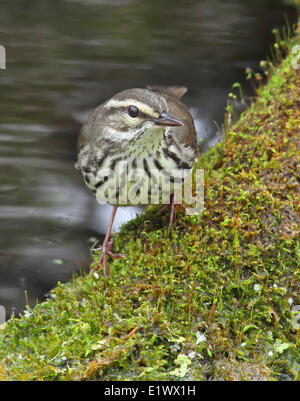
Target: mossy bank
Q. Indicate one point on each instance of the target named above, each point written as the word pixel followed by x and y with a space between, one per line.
pixel 214 300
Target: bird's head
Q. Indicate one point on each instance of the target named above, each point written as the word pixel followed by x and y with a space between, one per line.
pixel 131 113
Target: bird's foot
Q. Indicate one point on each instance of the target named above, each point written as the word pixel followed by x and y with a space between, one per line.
pixel 106 251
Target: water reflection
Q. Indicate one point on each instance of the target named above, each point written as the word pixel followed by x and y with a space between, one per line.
pixel 64 58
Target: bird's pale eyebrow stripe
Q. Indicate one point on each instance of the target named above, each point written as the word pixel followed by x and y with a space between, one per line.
pixel 144 108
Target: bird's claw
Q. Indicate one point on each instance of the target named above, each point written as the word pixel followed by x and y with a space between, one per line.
pixel 106 251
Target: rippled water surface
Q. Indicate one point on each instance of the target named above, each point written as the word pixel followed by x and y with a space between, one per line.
pixel 65 57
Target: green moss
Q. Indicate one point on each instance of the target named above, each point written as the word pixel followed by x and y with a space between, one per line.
pixel 211 301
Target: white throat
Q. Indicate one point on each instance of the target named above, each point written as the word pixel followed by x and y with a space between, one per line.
pixel 147 142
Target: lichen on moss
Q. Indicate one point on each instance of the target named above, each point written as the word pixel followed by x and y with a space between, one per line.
pixel 214 299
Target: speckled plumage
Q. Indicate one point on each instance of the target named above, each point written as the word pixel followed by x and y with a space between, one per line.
pixel 110 140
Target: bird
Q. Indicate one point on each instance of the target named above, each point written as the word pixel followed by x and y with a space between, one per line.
pixel 132 143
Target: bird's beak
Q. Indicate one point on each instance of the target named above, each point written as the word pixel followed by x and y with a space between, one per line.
pixel 166 119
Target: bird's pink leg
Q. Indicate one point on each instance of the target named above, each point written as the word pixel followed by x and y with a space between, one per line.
pixel 172 206
pixel 107 247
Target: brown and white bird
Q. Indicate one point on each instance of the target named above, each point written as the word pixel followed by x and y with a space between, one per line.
pixel 133 142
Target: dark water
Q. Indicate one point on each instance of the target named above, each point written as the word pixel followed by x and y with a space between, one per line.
pixel 66 57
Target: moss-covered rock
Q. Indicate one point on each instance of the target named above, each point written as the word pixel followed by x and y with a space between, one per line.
pixel 214 300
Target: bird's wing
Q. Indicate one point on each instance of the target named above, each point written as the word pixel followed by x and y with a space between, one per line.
pixel 176 90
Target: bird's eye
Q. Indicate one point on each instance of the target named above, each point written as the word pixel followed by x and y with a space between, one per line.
pixel 133 111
